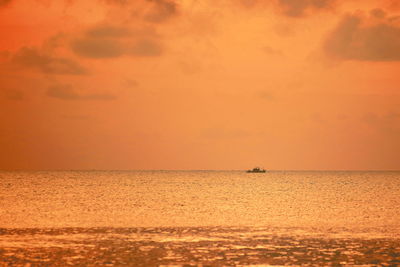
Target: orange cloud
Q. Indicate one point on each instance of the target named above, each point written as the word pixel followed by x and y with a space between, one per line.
pixel 161 10
pixel 108 41
pixel 154 11
pixel 297 8
pixel 67 92
pixel 12 94
pixel 4 2
pixel 373 38
pixel 292 8
pixel 32 58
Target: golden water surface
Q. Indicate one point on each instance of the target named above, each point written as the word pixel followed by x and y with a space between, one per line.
pixel 216 218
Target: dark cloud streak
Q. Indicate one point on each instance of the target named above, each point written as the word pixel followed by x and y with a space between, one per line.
pixel 33 58
pixel 153 11
pixel 298 8
pixel 109 41
pixel 292 8
pixel 97 48
pixel 67 92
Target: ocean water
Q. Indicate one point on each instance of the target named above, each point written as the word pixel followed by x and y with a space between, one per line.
pixel 194 218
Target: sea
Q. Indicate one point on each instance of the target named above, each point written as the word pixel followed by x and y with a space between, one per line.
pixel 199 218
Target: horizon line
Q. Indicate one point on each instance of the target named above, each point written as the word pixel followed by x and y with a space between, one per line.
pixel 268 170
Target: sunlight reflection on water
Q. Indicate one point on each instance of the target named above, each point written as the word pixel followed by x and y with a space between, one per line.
pixel 186 218
pixel 202 198
pixel 208 246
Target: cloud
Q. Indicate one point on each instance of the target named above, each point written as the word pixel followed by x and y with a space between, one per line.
pixel 117 2
pixel 153 11
pixel 102 41
pixel 29 57
pixel 108 31
pixel 109 41
pixel 378 13
pixel 298 8
pixel 67 92
pixel 291 8
pixel 129 29
pixel 97 47
pixel 111 48
pixel 161 11
pixel 4 2
pixel 13 94
pixel 374 38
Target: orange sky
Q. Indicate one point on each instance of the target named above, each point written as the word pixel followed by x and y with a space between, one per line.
pixel 200 84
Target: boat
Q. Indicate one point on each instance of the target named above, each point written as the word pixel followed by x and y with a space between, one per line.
pixel 256 170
